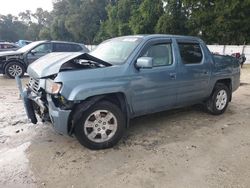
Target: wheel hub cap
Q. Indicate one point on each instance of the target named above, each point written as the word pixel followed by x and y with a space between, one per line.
pixel 15 70
pixel 100 126
pixel 221 100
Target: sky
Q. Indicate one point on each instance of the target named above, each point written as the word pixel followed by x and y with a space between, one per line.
pixel 14 7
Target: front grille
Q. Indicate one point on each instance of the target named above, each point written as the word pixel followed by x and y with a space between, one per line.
pixel 34 84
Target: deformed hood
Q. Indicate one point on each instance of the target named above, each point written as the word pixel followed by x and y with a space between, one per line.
pixel 52 63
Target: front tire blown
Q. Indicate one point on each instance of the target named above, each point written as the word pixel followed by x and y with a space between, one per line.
pixel 101 126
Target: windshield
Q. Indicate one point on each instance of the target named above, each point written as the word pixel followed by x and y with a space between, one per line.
pixel 116 51
pixel 28 47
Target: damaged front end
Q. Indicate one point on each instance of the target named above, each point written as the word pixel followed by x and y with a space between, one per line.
pixel 42 95
pixel 49 108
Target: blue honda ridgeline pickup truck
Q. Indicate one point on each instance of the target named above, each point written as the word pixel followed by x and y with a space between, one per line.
pixel 94 95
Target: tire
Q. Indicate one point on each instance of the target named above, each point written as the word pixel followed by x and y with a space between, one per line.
pixel 218 101
pixel 13 69
pixel 101 126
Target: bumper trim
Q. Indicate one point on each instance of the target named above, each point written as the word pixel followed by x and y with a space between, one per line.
pixel 29 109
pixel 58 117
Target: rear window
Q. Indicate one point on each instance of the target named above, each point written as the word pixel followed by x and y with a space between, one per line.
pixel 190 53
pixel 76 47
pixel 61 47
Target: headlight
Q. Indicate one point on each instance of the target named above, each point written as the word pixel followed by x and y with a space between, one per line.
pixel 52 87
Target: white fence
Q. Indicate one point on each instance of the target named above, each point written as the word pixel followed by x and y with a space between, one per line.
pixel 230 49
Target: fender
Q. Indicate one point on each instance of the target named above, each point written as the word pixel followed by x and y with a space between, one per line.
pixel 79 109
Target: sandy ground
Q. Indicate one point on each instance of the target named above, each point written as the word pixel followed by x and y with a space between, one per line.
pixel 180 148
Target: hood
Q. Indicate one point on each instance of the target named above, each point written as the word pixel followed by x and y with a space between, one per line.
pixel 53 63
pixel 10 53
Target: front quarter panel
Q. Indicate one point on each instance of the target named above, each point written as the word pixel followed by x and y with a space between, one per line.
pixel 79 85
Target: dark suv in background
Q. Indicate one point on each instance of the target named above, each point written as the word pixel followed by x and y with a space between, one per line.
pixel 15 63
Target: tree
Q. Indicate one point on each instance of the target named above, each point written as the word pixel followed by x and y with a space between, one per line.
pixel 145 18
pixel 223 22
pixel 85 23
pixel 25 17
pixel 35 23
pixel 8 27
pixel 58 30
pixel 119 14
pixel 78 20
pixel 92 21
pixel 174 19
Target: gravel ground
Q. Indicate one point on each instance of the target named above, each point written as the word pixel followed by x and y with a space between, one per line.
pixel 180 148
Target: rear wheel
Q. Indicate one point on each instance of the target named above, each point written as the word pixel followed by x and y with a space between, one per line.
pixel 219 99
pixel 101 126
pixel 14 69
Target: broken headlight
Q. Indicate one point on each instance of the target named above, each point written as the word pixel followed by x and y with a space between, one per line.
pixel 52 87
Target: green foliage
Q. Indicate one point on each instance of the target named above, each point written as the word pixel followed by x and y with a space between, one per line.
pixel 222 22
pixel 26 26
pixel 117 23
pixel 174 19
pixel 92 21
pixel 144 19
pixel 8 24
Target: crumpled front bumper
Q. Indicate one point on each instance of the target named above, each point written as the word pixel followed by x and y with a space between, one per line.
pixel 58 117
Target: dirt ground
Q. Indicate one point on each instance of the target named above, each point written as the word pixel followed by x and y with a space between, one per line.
pixel 180 148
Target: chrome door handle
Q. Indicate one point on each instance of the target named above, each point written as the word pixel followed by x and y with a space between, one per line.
pixel 172 76
pixel 206 72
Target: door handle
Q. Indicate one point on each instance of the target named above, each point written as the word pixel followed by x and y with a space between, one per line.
pixel 205 72
pixel 172 76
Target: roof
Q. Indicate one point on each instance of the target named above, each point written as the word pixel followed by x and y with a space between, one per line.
pixel 58 41
pixel 150 36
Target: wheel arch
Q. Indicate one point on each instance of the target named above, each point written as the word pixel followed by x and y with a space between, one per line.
pixel 118 98
pixel 227 82
pixel 14 60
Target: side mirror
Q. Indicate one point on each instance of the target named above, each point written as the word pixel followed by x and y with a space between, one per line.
pixel 33 52
pixel 144 63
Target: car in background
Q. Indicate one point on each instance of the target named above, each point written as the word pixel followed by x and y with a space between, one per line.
pixel 6 46
pixel 15 63
pixel 23 43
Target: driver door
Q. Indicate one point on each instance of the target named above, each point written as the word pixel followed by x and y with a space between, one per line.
pixel 38 52
pixel 155 89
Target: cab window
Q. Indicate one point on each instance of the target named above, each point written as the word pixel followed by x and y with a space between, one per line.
pixel 161 54
pixel 43 48
pixel 190 53
pixel 64 47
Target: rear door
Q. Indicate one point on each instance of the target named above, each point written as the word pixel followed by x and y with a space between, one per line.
pixel 193 72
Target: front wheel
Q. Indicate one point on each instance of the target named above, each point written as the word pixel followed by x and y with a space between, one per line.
pixel 14 69
pixel 218 101
pixel 101 126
